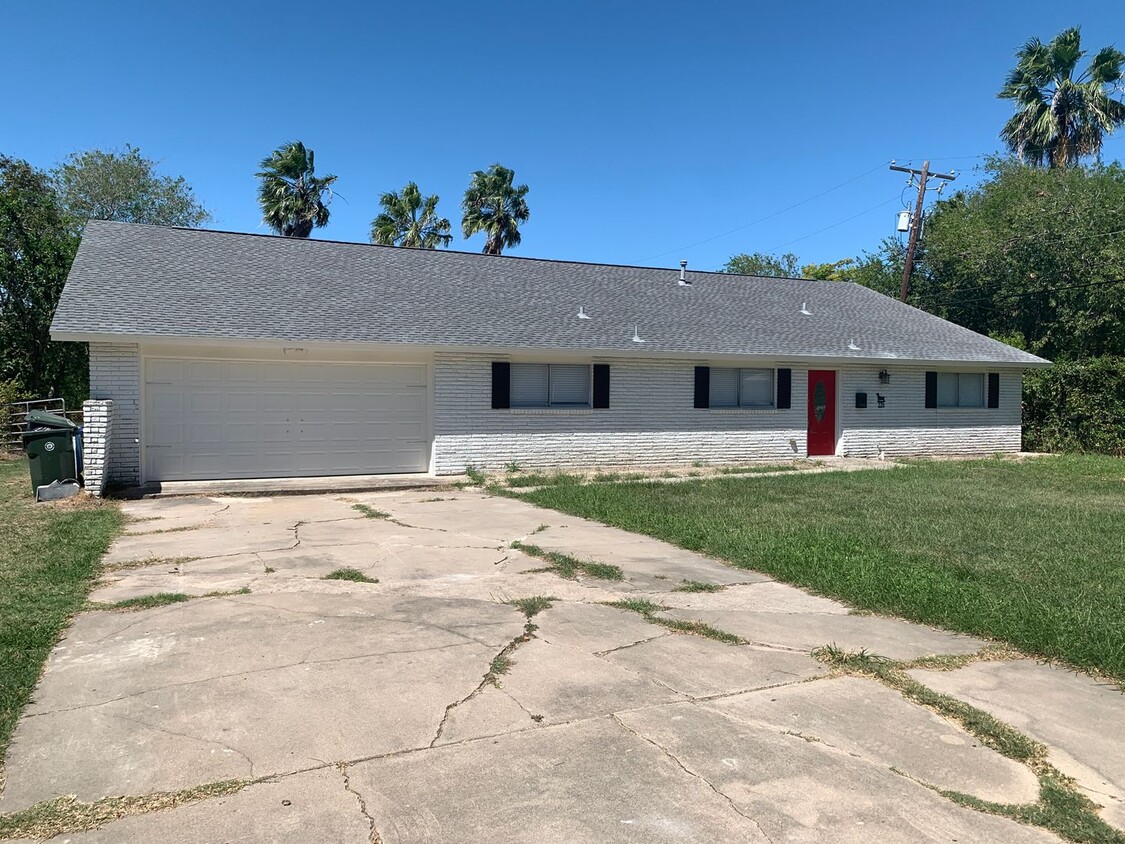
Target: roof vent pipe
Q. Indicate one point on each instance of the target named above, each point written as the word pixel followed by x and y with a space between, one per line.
pixel 683 275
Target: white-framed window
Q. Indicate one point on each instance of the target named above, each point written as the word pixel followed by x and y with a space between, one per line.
pixel 960 389
pixel 741 387
pixel 550 385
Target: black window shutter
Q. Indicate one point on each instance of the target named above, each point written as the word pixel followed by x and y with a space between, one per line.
pixel 501 385
pixel 601 385
pixel 784 389
pixel 931 389
pixel 703 387
pixel 994 389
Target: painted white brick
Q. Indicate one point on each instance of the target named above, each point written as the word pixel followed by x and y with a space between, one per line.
pixel 651 420
pixel 904 426
pixel 115 375
pixel 97 426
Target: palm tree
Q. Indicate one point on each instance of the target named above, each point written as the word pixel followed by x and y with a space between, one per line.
pixel 292 197
pixel 495 206
pixel 410 219
pixel 1060 118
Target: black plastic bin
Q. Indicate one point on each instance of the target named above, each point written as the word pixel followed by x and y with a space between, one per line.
pixel 49 443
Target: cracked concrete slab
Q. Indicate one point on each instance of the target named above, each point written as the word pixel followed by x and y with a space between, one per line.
pixel 887 637
pixel 312 806
pixel 650 564
pixel 562 684
pixel 1069 713
pixel 593 628
pixel 207 541
pixel 797 790
pixel 866 719
pixel 583 783
pixel 493 712
pixel 239 726
pixel 305 672
pixel 754 597
pixel 497 520
pixel 700 667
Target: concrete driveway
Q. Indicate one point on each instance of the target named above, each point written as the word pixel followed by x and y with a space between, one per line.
pixel 425 707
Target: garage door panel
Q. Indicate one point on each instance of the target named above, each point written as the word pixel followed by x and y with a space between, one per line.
pixel 229 419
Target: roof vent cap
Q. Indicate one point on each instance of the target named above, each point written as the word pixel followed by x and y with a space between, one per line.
pixel 853 346
pixel 805 309
pixel 582 313
pixel 636 335
pixel 683 275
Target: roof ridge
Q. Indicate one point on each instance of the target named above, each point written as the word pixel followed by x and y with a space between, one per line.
pixel 275 237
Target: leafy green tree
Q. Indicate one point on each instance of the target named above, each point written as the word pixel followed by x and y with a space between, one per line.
pixel 123 185
pixel 495 206
pixel 37 245
pixel 410 219
pixel 1060 117
pixel 841 270
pixel 294 200
pixel 1032 256
pixel 763 264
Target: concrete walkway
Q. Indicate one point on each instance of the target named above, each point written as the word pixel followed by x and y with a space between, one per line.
pixel 425 707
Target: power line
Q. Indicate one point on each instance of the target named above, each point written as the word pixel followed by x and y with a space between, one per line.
pixel 954 302
pixel 767 217
pixel 895 198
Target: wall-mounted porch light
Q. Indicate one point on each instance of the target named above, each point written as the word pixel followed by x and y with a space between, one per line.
pixel 884 377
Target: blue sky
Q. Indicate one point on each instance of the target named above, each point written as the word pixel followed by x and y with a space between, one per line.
pixel 643 128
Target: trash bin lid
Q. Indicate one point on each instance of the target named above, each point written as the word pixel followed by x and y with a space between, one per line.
pixel 43 419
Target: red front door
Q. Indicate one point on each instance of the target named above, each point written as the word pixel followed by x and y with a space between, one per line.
pixel 822 412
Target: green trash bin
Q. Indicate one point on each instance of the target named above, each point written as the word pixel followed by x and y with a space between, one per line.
pixel 49 443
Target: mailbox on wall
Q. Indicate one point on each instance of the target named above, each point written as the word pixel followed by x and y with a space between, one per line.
pixel 861 400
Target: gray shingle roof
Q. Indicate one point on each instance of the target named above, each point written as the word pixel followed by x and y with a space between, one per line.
pixel 149 281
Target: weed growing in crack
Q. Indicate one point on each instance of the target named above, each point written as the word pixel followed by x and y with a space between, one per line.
pixel 144 602
pixel 354 575
pixel 697 586
pixel 1061 807
pixel 532 606
pixel 270 569
pixel 476 476
pixel 69 814
pixel 370 511
pixel 501 664
pixel 224 593
pixel 647 609
pixel 570 567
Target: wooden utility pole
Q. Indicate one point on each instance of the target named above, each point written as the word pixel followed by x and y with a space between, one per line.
pixel 923 175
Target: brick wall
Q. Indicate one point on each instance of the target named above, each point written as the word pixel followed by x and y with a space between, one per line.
pixel 115 374
pixel 904 426
pixel 97 430
pixel 651 420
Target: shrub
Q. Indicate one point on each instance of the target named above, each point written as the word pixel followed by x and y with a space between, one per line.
pixel 1076 406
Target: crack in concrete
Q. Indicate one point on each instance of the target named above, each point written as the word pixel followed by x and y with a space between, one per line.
pixel 489 677
pixel 630 645
pixel 373 837
pixel 166 731
pixel 694 774
pixel 303 661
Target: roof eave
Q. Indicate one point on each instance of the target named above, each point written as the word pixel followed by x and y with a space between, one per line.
pixel 651 352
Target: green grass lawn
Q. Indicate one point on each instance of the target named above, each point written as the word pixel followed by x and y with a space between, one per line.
pixel 1031 553
pixel 49 557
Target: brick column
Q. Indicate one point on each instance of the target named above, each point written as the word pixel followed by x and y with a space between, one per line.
pixel 97 424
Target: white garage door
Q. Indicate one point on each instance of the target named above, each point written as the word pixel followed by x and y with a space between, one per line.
pixel 210 419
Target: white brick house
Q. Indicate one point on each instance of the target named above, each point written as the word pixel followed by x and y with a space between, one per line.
pixel 229 355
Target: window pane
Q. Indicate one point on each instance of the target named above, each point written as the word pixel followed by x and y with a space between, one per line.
pixel 947 389
pixel 570 385
pixel 756 387
pixel 970 389
pixel 724 387
pixel 529 385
